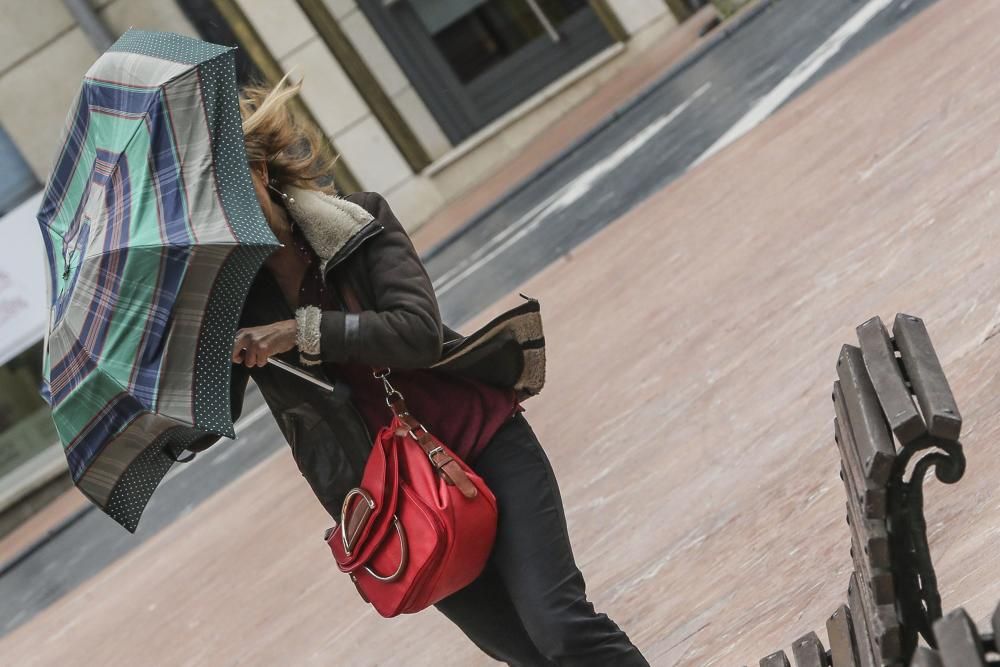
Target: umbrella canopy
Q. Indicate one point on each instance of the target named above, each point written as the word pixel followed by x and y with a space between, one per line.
pixel 153 235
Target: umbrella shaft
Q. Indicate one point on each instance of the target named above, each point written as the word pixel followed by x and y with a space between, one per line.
pixel 301 373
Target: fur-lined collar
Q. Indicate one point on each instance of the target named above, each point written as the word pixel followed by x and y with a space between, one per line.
pixel 328 222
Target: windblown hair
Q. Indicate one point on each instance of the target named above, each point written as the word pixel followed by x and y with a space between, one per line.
pixel 294 150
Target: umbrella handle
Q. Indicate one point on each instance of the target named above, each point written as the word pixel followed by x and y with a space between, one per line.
pixel 175 457
pixel 301 373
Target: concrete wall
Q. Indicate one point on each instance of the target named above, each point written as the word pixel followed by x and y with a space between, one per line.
pixel 44 59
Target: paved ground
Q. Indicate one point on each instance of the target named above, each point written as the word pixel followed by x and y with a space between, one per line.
pixel 697 357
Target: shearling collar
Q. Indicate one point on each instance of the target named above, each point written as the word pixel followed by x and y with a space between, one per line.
pixel 329 223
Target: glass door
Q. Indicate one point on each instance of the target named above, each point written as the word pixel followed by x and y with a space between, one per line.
pixel 486 55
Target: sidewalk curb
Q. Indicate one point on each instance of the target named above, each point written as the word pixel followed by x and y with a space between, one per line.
pixel 723 32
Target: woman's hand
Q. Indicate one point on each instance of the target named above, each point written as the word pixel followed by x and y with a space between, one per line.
pixel 254 345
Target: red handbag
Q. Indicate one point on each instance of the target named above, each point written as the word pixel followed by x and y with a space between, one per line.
pixel 422 523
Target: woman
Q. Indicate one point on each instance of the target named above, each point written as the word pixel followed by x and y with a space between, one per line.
pixel 529 606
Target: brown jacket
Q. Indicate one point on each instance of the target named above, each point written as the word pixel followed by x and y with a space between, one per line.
pixel 362 243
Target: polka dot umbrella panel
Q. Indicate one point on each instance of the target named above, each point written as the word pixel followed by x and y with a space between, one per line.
pixel 153 235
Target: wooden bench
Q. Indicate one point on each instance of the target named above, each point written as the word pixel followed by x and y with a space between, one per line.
pixel 895 419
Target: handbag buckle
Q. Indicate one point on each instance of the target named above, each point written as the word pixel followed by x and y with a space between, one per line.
pixel 439 465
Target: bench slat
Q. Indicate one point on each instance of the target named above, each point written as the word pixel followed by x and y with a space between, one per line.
pixel 872 532
pixel 778 659
pixel 870 552
pixel 872 496
pixel 863 639
pixel 871 434
pixel 876 627
pixel 925 657
pixel 875 579
pixel 887 379
pixel 840 632
pixel 808 651
pixel 869 537
pixel 927 377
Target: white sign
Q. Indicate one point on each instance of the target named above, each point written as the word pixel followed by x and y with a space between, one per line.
pixel 24 308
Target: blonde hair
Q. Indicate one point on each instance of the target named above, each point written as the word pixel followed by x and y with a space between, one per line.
pixel 295 152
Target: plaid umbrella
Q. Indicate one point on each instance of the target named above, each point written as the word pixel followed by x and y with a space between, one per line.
pixel 153 234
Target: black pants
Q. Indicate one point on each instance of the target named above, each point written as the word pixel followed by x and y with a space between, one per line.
pixel 529 606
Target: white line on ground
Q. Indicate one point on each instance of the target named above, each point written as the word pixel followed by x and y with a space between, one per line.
pixel 563 198
pixel 797 78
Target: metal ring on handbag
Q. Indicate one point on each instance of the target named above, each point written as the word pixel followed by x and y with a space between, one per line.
pixel 403 550
pixel 403 553
pixel 357 491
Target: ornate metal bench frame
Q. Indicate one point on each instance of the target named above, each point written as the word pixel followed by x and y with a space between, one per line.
pixel 895 420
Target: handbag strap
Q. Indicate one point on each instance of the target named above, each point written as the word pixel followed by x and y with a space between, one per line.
pixel 446 466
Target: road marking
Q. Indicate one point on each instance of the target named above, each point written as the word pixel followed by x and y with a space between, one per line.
pixel 563 198
pixel 797 78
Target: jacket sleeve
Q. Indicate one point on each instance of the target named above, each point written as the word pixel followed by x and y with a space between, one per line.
pixel 403 330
